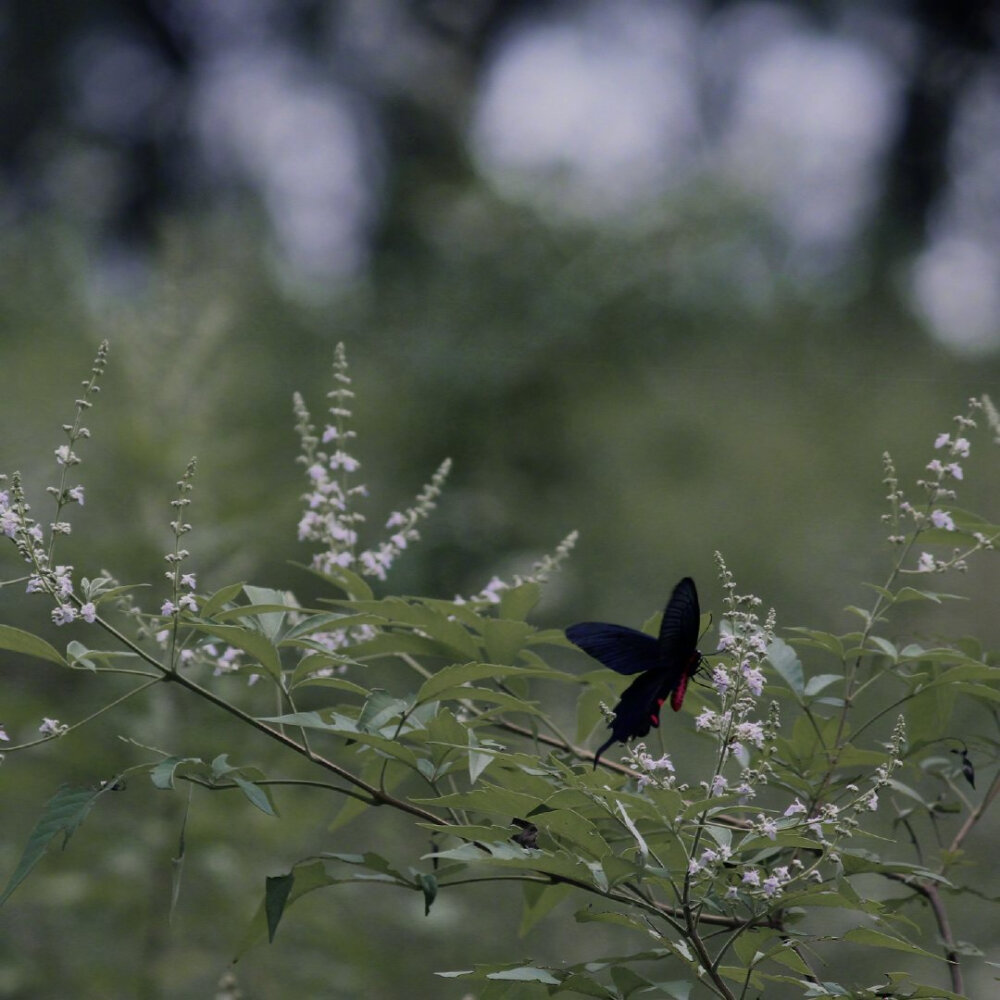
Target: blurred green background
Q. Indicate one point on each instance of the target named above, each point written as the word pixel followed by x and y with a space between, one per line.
pixel 672 274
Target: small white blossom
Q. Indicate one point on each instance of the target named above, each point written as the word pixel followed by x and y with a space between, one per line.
pixel 705 720
pixel 942 519
pixel 63 614
pixel 771 886
pixel 720 680
pixel 88 612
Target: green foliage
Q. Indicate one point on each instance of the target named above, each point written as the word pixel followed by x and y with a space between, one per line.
pixel 729 860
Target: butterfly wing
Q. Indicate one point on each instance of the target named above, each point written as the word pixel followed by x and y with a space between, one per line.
pixel 624 650
pixel 664 664
pixel 678 640
pixel 638 709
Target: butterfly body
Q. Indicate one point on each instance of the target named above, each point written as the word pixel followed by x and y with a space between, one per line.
pixel 664 664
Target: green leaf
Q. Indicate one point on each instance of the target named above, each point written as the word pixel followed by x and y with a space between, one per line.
pixel 539 901
pixel 879 939
pixel 379 709
pixel 505 639
pixel 885 647
pixel 820 682
pixel 429 887
pixel 346 727
pixel 525 974
pixel 350 583
pixel 276 892
pixel 517 602
pixel 457 674
pixel 63 813
pixel 162 775
pixel 305 878
pixel 250 641
pixel 446 636
pixel 785 660
pixel 256 795
pixel 270 621
pixel 490 800
pixel 478 762
pixel 819 640
pixel 219 600
pixel 19 641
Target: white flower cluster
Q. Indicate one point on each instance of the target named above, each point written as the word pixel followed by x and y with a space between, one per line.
pixel 330 518
pixel 739 682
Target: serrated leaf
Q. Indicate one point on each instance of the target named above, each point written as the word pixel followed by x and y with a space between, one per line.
pixel 19 641
pixel 63 813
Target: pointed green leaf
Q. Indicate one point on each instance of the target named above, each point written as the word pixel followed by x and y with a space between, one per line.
pixel 429 887
pixel 458 674
pixel 505 639
pixel 786 662
pixel 220 599
pixel 525 974
pixel 276 892
pixel 256 795
pixel 879 939
pixel 305 878
pixel 540 900
pixel 19 641
pixel 517 602
pixel 162 775
pixel 254 643
pixel 63 813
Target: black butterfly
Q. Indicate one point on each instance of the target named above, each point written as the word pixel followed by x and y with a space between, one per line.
pixel 665 664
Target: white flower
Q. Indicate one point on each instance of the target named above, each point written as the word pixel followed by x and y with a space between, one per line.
pixel 942 519
pixel 63 614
